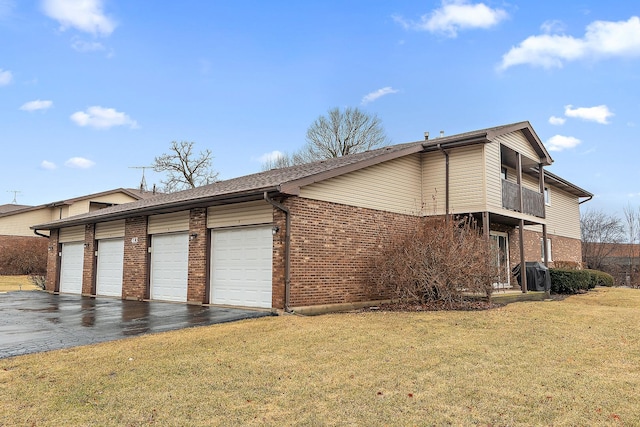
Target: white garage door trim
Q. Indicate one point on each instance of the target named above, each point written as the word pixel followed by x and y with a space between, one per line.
pixel 169 266
pixel 241 266
pixel 109 268
pixel 71 266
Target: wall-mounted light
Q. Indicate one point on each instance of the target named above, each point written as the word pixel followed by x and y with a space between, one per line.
pixel 86 245
pixel 193 236
pixel 275 229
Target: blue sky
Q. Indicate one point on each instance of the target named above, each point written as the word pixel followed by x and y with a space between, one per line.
pixel 90 88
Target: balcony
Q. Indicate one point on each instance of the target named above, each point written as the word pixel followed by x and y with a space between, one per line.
pixel 533 201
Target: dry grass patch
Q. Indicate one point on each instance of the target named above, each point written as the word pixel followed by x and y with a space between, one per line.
pixel 570 362
pixel 16 283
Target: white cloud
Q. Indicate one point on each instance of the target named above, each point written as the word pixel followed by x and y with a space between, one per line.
pixel 48 165
pixel 599 114
pixel 552 26
pixel 102 118
pixel 5 77
pixel 454 16
pixel 602 39
pixel 377 94
pixel 83 15
pixel 560 142
pixel 85 46
pixel 36 105
pixel 557 120
pixel 79 163
pixel 271 157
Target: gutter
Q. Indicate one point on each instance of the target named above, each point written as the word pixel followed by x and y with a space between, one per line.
pixel 586 200
pixel 287 250
pixel 446 185
pixel 37 233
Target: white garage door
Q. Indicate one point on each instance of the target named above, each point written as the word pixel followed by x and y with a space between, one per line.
pixel 109 268
pixel 241 263
pixel 71 266
pixel 169 264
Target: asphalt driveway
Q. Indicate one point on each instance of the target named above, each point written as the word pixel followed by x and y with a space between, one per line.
pixel 32 322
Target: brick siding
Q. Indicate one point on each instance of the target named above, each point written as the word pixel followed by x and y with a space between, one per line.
pixel 333 248
pixel 53 262
pixel 136 259
pixel 562 248
pixel 198 259
pixel 89 265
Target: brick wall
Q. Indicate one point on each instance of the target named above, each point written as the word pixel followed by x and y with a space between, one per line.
pixel 89 263
pixel 198 259
pixel 562 248
pixel 333 248
pixel 278 271
pixel 53 262
pixel 23 254
pixel 135 281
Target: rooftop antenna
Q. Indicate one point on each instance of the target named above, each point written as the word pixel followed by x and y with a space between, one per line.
pixel 15 195
pixel 143 181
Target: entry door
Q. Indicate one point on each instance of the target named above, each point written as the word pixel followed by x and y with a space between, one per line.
pixel 109 268
pixel 169 266
pixel 241 266
pixel 500 242
pixel 71 266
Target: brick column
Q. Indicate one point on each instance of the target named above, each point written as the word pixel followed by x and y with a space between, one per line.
pixel 53 262
pixel 135 280
pixel 198 256
pixel 278 273
pixel 89 267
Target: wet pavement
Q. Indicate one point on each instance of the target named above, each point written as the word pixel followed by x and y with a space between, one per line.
pixel 32 322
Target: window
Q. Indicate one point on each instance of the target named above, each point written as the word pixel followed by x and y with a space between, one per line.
pixel 503 173
pixel 548 249
pixel 547 196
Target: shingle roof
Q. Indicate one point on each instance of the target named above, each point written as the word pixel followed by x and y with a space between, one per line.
pixel 284 180
pixel 11 208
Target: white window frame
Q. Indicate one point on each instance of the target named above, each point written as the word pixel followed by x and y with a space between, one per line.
pixel 547 196
pixel 548 249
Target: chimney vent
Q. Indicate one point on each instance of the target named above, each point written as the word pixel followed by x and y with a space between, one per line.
pixel 441 134
pixel 426 136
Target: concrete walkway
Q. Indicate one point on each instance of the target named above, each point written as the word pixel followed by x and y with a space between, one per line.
pixel 32 322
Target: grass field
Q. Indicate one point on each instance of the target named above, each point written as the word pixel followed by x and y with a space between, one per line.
pixel 569 362
pixel 16 283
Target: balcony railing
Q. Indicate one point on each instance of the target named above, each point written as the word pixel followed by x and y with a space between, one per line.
pixel 533 201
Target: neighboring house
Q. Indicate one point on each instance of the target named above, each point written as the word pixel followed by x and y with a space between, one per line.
pixel 621 260
pixel 15 220
pixel 307 235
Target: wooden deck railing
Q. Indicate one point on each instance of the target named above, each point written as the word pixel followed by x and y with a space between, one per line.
pixel 533 201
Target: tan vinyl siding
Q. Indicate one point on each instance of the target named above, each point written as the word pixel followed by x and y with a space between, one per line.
pixel 247 213
pixel 527 181
pixel 466 180
pixel 83 206
pixel 18 224
pixel 433 183
pixel 109 230
pixel 392 186
pixel 71 234
pixel 563 214
pixel 493 165
pixel 517 141
pixel 169 223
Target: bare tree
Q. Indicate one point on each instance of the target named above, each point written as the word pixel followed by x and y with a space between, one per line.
pixel 632 220
pixel 282 161
pixel 601 233
pixel 184 169
pixel 340 133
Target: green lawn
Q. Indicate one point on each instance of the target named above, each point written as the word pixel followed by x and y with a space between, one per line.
pixel 569 362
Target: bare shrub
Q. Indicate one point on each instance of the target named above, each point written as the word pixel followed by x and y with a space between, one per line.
pixel 438 260
pixel 24 256
pixel 38 281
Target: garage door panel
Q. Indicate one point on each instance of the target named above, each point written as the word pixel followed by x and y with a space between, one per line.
pixel 241 266
pixel 110 267
pixel 71 266
pixel 169 266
